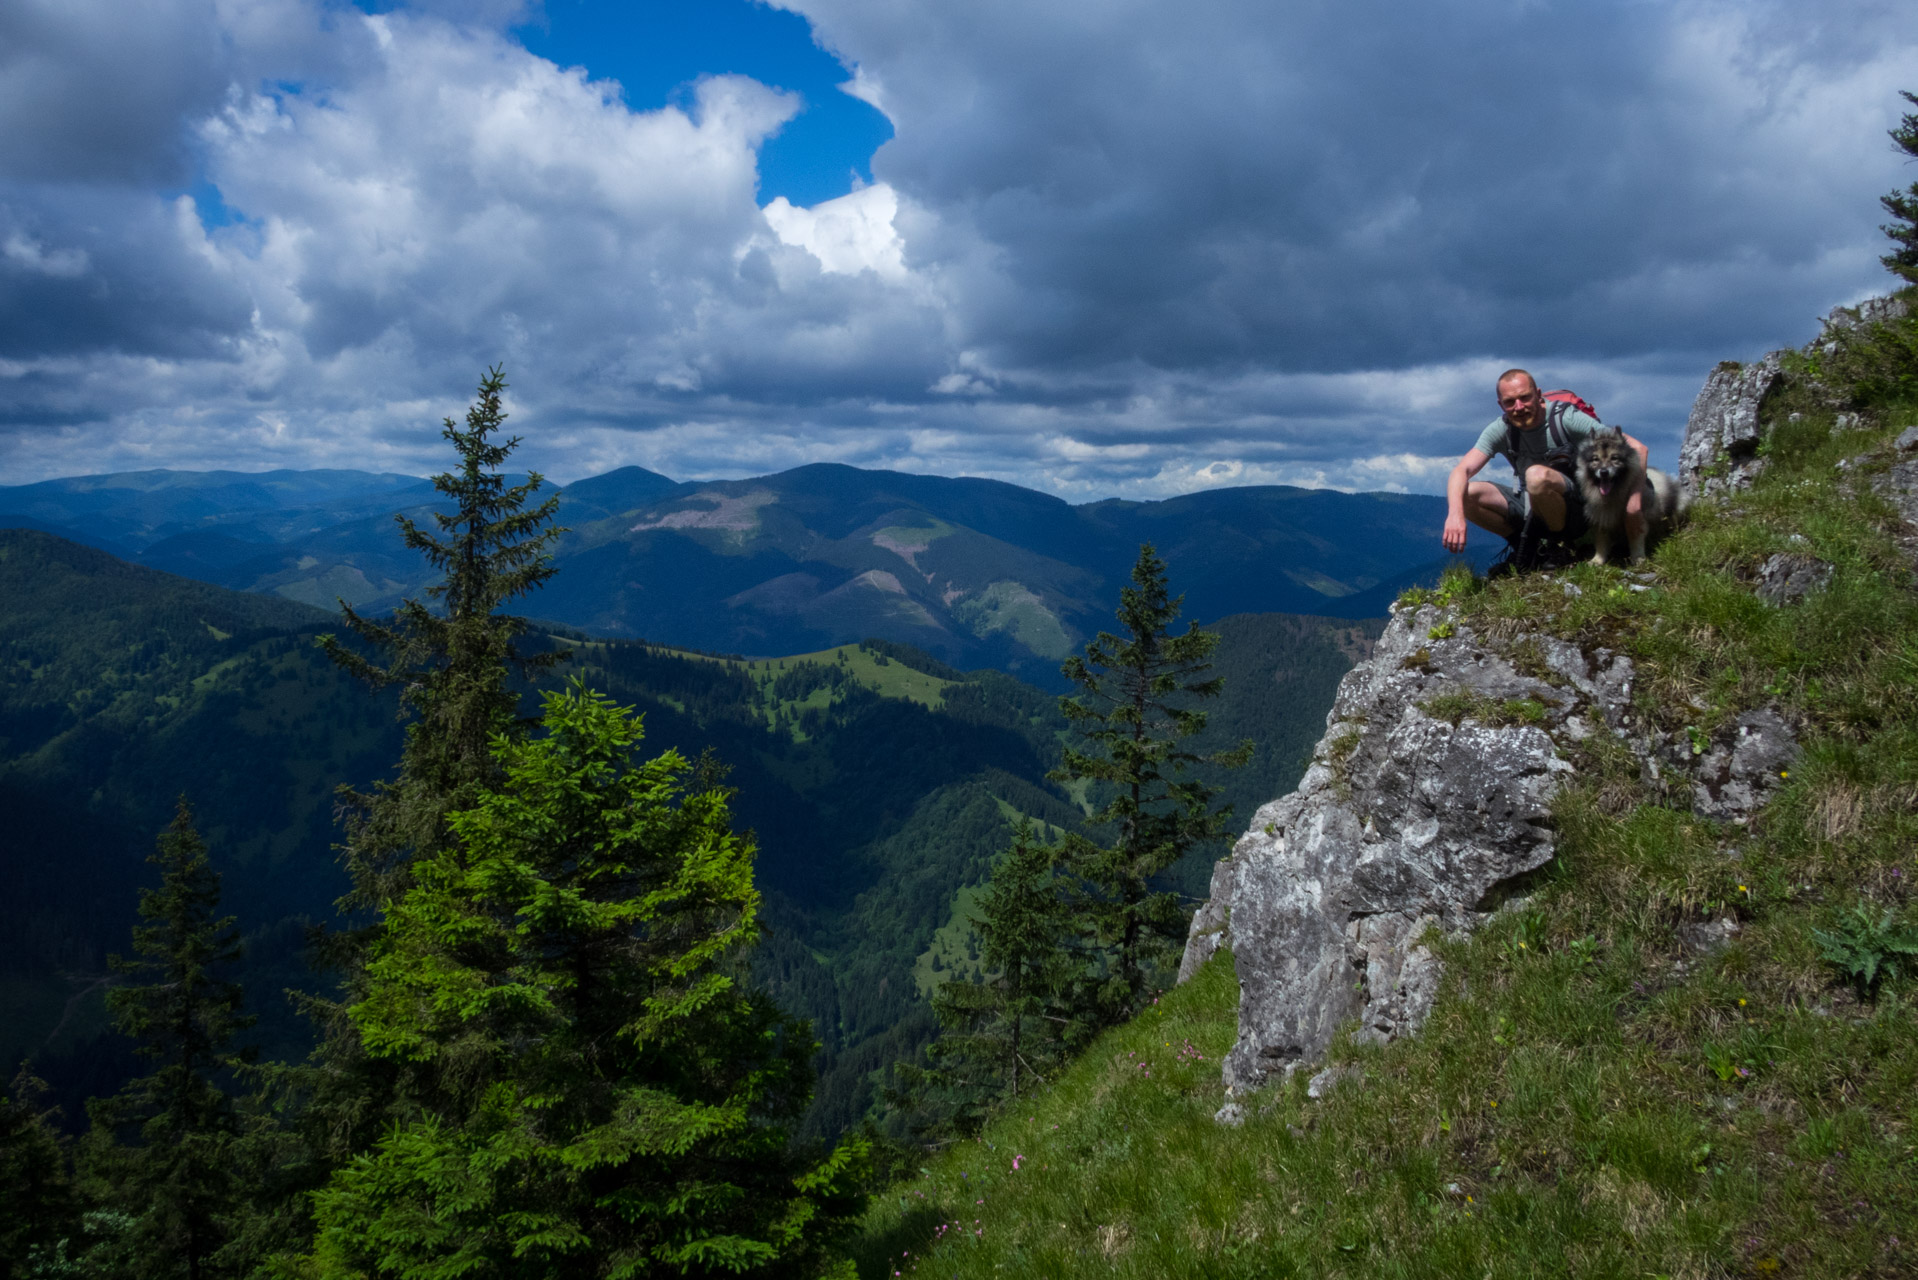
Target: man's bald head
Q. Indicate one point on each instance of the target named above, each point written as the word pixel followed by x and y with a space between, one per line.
pixel 1518 397
pixel 1523 380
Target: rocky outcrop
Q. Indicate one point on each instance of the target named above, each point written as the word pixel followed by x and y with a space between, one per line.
pixel 1719 454
pixel 1427 800
pixel 1426 807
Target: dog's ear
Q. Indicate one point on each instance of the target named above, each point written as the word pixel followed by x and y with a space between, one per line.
pixel 1618 433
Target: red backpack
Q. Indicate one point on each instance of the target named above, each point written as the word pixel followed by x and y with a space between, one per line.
pixel 1577 401
pixel 1557 404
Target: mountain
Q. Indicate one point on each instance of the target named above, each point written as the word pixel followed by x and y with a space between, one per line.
pixel 880 782
pixel 979 572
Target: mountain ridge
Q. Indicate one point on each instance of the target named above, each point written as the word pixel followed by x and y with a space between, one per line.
pixel 981 572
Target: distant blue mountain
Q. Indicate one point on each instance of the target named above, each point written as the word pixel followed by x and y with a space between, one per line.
pixel 979 572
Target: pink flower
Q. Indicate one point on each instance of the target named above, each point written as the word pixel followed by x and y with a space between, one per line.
pixel 1015 1163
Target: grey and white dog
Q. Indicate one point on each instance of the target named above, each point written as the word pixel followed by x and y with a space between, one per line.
pixel 1609 473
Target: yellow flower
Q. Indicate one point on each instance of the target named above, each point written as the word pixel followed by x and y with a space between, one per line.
pixel 1743 889
pixel 1741 1002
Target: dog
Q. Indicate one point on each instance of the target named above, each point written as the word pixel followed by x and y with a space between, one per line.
pixel 1609 472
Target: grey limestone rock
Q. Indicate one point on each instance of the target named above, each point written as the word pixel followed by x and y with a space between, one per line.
pixel 1404 823
pixel 1207 932
pixel 1231 1115
pixel 1719 454
pixel 1870 311
pixel 1899 482
pixel 1736 776
pixel 1789 577
pixel 1708 937
pixel 1331 1078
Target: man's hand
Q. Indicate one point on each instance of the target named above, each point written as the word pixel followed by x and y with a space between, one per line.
pixel 1455 532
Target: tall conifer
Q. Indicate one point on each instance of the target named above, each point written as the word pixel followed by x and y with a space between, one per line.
pixel 452 658
pixel 161 1150
pixel 1134 711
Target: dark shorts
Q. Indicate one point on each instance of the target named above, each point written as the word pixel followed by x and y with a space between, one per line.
pixel 1518 506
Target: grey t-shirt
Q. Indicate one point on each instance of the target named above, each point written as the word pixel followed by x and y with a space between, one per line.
pixel 1528 448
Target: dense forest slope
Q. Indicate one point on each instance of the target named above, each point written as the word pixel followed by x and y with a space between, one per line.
pixel 880 783
pixel 1644 841
pixel 978 572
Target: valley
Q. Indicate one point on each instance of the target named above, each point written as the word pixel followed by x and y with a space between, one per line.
pixel 880 782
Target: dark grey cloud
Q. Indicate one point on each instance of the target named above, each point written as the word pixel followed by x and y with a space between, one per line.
pixel 1243 184
pixel 1129 248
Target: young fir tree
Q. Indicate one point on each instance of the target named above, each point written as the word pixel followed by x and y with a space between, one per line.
pixel 1903 205
pixel 999 1035
pixel 613 1103
pixel 161 1150
pixel 1133 712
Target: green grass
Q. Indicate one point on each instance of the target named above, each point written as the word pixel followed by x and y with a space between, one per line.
pixel 1591 1096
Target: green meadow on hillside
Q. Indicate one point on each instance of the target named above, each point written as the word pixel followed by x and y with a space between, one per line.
pixel 1591 1096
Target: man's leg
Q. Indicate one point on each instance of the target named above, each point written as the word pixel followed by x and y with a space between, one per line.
pixel 1486 507
pixel 1545 488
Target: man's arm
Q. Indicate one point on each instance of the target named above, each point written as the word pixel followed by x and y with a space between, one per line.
pixel 1644 454
pixel 1468 466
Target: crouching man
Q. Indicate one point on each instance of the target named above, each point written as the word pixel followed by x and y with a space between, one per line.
pixel 1540 438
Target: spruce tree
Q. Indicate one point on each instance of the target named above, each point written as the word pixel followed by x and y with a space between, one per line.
pixel 999 1035
pixel 1903 205
pixel 161 1150
pixel 453 658
pixel 613 1103
pixel 1133 712
pixel 39 1211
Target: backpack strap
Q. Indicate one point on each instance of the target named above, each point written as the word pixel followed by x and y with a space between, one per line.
pixel 1555 426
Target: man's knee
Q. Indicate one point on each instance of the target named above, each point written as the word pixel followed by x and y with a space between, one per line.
pixel 1543 479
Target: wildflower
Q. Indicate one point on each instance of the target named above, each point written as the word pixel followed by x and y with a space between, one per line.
pixel 1743 889
pixel 1741 1002
pixel 1015 1163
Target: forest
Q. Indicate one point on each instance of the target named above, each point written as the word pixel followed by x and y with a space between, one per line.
pixel 263 1085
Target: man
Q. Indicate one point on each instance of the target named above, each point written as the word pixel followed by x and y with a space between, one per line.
pixel 1544 490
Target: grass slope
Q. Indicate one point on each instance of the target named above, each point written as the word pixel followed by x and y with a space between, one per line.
pixel 1592 1096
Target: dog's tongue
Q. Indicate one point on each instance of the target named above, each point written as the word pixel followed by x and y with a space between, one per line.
pixel 1605 488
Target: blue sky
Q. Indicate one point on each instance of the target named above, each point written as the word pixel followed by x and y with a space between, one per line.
pixel 1126 249
pixel 657 49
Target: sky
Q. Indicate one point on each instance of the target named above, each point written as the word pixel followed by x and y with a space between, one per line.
pixel 1101 248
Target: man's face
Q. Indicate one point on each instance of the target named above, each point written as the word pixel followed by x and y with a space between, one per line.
pixel 1524 407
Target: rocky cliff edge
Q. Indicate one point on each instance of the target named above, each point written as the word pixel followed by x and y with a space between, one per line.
pixel 1429 799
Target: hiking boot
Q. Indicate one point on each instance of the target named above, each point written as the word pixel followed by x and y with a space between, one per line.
pixel 1505 563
